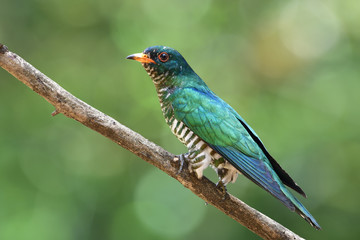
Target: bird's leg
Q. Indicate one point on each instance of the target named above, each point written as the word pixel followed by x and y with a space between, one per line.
pixel 199 161
pixel 195 160
pixel 221 184
pixel 226 172
pixel 222 188
pixel 181 158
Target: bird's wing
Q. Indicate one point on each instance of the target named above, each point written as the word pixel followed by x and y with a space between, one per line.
pixel 214 121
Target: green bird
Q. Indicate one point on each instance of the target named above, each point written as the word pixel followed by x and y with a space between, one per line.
pixel 214 133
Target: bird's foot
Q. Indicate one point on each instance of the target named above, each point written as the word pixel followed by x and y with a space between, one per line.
pixel 181 158
pixel 222 188
pixel 196 162
pixel 226 173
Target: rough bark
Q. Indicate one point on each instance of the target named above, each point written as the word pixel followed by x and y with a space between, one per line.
pixel 74 108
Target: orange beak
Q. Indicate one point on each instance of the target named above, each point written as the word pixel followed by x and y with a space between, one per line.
pixel 140 57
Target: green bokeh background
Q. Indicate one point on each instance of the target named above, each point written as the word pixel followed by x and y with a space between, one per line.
pixel 290 68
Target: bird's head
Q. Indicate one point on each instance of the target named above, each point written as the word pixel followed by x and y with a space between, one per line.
pixel 162 63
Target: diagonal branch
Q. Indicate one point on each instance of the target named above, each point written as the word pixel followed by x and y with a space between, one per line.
pixel 74 108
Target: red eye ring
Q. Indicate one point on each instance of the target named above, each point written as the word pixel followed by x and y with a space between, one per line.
pixel 164 56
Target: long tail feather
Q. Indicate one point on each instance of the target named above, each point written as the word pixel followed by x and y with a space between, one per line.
pixel 304 213
pixel 263 175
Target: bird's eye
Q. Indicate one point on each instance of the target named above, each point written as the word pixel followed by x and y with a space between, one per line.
pixel 164 57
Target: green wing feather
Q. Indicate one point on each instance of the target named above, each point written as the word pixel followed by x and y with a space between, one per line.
pixel 214 121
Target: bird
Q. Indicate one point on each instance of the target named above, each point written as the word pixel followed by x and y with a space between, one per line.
pixel 214 133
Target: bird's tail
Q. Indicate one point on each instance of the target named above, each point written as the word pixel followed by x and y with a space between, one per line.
pixel 261 173
pixel 300 209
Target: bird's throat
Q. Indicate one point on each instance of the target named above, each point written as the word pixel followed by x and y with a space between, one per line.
pixel 159 79
pixel 163 89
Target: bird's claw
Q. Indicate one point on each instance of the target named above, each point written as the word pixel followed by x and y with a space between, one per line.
pixel 181 158
pixel 222 188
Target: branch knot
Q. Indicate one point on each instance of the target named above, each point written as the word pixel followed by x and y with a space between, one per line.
pixel 3 48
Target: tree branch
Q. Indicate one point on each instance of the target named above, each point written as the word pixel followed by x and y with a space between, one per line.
pixel 74 108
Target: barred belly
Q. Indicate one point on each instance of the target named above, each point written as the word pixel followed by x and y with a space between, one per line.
pixel 200 154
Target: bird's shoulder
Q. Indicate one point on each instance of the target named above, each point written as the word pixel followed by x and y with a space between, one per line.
pixel 189 99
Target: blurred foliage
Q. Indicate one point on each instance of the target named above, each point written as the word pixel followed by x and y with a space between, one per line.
pixel 290 68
